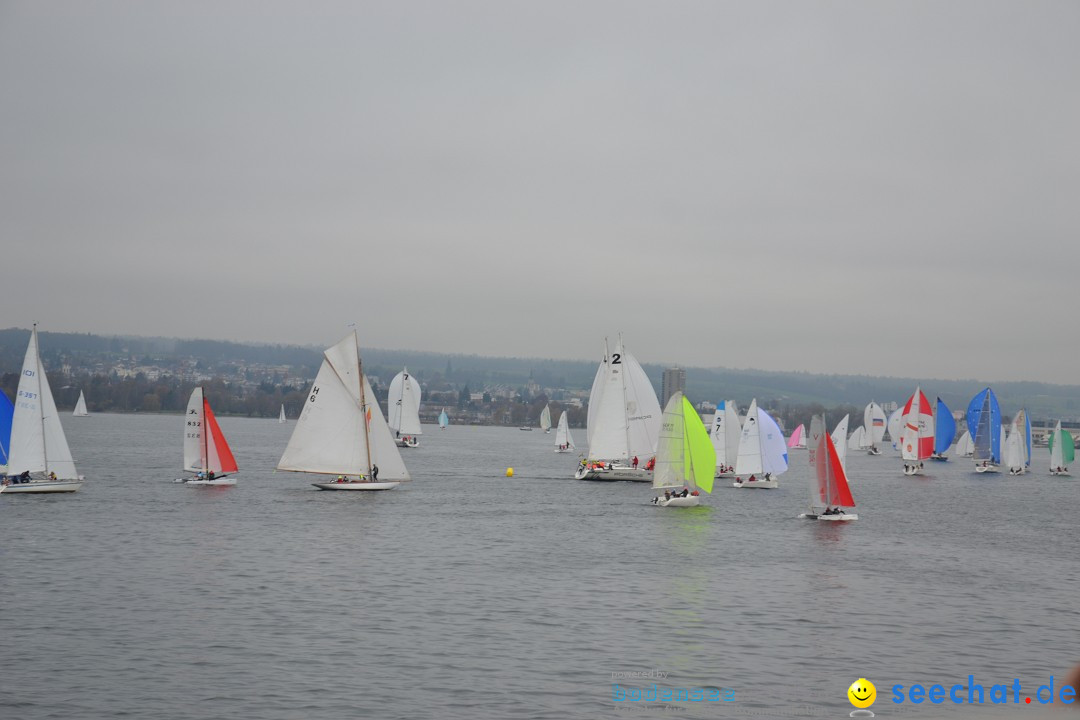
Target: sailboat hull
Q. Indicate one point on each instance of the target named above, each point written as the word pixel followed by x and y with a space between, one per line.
pixel 845 517
pixel 688 501
pixel 45 487
pixel 613 474
pixel 873 451
pixel 409 442
pixel 913 470
pixel 357 485
pixel 564 450
pixel 763 484
pixel 1061 473
pixel 216 482
pixel 986 468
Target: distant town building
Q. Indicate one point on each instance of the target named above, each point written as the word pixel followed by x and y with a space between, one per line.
pixel 673 381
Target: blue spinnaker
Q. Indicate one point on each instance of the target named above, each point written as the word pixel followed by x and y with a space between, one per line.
pixel 944 428
pixel 984 424
pixel 7 410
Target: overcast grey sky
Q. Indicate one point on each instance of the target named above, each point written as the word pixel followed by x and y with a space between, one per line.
pixel 853 187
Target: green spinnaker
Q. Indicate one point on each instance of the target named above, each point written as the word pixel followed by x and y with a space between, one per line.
pixel 697 448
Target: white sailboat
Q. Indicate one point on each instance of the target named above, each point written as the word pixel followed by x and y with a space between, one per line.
pixel 39 459
pixel 206 453
pixel 444 419
pixel 341 430
pixel 726 431
pixel 858 439
pixel 564 442
pixel 762 451
pixel 1014 454
pixel 874 425
pixel 623 421
pixel 545 419
pixel 896 427
pixel 830 495
pixel 685 459
pixel 1062 450
pixel 965 446
pixel 404 409
pixel 281 415
pixel 80 407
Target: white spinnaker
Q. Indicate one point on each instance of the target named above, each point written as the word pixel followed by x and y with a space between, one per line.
pixel 1014 452
pixel 670 449
pixel 562 433
pixel 896 427
pixel 774 457
pixel 1003 439
pixel 403 401
pixel 840 441
pixel 875 431
pixel 1057 452
pixel 624 414
pixel 748 461
pixel 194 427
pixel 329 434
pixel 38 443
pixel 642 410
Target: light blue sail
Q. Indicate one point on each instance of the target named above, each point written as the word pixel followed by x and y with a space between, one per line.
pixel 7 410
pixel 984 424
pixel 1027 435
pixel 944 428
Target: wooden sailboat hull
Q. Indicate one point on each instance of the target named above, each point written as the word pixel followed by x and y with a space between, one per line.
pixel 356 485
pixel 58 486
pixel 612 474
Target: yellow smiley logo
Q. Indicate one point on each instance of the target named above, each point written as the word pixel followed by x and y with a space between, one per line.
pixel 862 693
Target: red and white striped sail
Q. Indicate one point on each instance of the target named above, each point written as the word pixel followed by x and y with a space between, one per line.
pixel 831 486
pixel 205 448
pixel 917 423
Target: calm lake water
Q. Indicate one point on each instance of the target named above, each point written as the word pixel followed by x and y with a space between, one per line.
pixel 466 594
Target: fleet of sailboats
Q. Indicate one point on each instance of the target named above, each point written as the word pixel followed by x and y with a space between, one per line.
pixel 685 459
pixel 80 406
pixel 726 430
pixel 39 459
pixel 206 453
pixel 341 430
pixel 403 406
pixel 564 442
pixel 762 451
pixel 623 423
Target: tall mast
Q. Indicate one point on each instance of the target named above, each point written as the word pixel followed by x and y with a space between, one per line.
pixel 40 369
pixel 363 408
pixel 205 438
pixel 622 383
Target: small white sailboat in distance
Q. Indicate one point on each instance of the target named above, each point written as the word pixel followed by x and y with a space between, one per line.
pixel 341 430
pixel 80 407
pixel 858 440
pixel 206 453
pixel 564 442
pixel 762 451
pixel 1062 450
pixel 965 446
pixel 281 415
pixel 685 459
pixel 403 408
pixel 726 431
pixel 874 425
pixel 545 419
pixel 39 459
pixel 444 419
pixel 830 496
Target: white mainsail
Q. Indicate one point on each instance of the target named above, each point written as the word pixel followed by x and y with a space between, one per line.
pixel 331 435
pixel 725 434
pixel 545 418
pixel 1014 449
pixel 38 443
pixel 404 404
pixel 965 446
pixel 858 440
pixel 80 406
pixel 624 413
pixel 281 415
pixel 562 433
pixel 896 427
pixel 839 439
